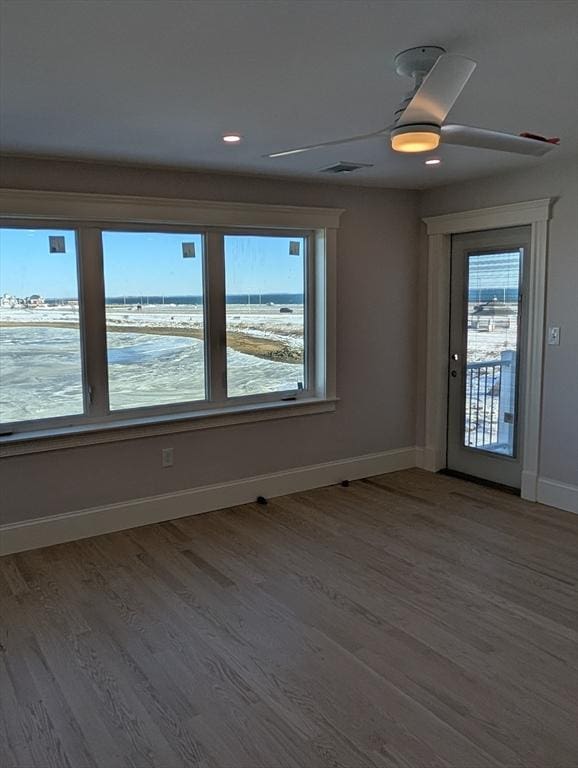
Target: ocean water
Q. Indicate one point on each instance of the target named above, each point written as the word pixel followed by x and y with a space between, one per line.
pixel 40 372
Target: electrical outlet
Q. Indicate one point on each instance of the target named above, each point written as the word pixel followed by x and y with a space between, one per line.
pixel 167 457
pixel 554 336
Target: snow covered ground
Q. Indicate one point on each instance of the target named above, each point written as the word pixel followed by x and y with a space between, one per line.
pixel 265 321
pixel 40 373
pixel 268 319
pixel 40 368
pixel 487 345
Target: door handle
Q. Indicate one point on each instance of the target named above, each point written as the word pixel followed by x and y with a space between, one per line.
pixel 455 356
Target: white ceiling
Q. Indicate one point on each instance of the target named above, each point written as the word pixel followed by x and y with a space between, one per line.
pixel 159 81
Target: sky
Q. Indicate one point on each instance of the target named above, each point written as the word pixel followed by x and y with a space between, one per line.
pixel 147 264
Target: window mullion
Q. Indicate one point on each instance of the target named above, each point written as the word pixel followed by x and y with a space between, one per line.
pixel 309 315
pixel 325 267
pixel 93 321
pixel 215 319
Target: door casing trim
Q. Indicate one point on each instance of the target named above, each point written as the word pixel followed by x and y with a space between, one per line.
pixel 440 229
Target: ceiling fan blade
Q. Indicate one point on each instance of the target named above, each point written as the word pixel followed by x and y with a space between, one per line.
pixel 466 136
pixel 360 137
pixel 439 91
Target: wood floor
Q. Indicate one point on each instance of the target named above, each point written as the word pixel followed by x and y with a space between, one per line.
pixel 409 620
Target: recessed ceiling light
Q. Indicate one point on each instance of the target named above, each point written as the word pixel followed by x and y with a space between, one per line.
pixel 231 138
pixel 433 161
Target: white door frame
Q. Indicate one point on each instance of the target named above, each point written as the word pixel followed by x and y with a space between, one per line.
pixel 535 213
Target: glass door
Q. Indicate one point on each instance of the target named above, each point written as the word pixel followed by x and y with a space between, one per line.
pixel 486 342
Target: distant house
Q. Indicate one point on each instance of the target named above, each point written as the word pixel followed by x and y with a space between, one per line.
pixel 8 301
pixel 35 300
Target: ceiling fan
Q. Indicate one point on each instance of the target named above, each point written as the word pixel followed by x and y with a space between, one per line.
pixel 439 78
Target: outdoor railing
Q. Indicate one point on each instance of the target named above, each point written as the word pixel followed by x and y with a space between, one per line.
pixel 490 402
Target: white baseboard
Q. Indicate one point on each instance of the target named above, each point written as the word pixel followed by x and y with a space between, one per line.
pixel 56 529
pixel 429 459
pixel 556 494
pixel 529 486
pixel 420 457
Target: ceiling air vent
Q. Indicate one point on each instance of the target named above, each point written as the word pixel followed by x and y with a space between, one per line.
pixel 345 167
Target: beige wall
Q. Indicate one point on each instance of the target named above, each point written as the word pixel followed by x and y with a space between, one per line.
pixel 376 343
pixel 380 339
pixel 559 180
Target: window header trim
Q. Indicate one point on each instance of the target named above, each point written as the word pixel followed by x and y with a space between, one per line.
pixel 90 207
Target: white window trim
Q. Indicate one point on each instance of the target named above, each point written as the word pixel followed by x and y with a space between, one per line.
pixel 135 428
pixel 126 209
pixel 76 208
pixel 440 229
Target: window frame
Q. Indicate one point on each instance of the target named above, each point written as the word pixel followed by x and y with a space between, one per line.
pixel 71 420
pixel 309 340
pixel 318 226
pixel 189 406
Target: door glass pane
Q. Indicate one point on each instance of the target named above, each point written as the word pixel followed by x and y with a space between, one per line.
pixel 265 289
pixel 154 318
pixel 493 311
pixel 40 354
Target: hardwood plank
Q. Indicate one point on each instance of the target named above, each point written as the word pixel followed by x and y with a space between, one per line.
pixel 406 621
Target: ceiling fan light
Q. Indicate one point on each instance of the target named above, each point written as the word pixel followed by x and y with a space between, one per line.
pixel 415 138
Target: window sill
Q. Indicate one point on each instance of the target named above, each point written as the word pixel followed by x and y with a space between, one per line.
pixel 132 429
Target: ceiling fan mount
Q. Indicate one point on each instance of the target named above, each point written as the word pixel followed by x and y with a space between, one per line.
pixel 417 62
pixel 419 125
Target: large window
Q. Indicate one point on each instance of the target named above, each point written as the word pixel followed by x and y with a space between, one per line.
pixel 154 318
pixel 265 291
pixel 128 323
pixel 40 342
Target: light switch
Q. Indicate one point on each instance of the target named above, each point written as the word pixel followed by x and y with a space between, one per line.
pixel 554 336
